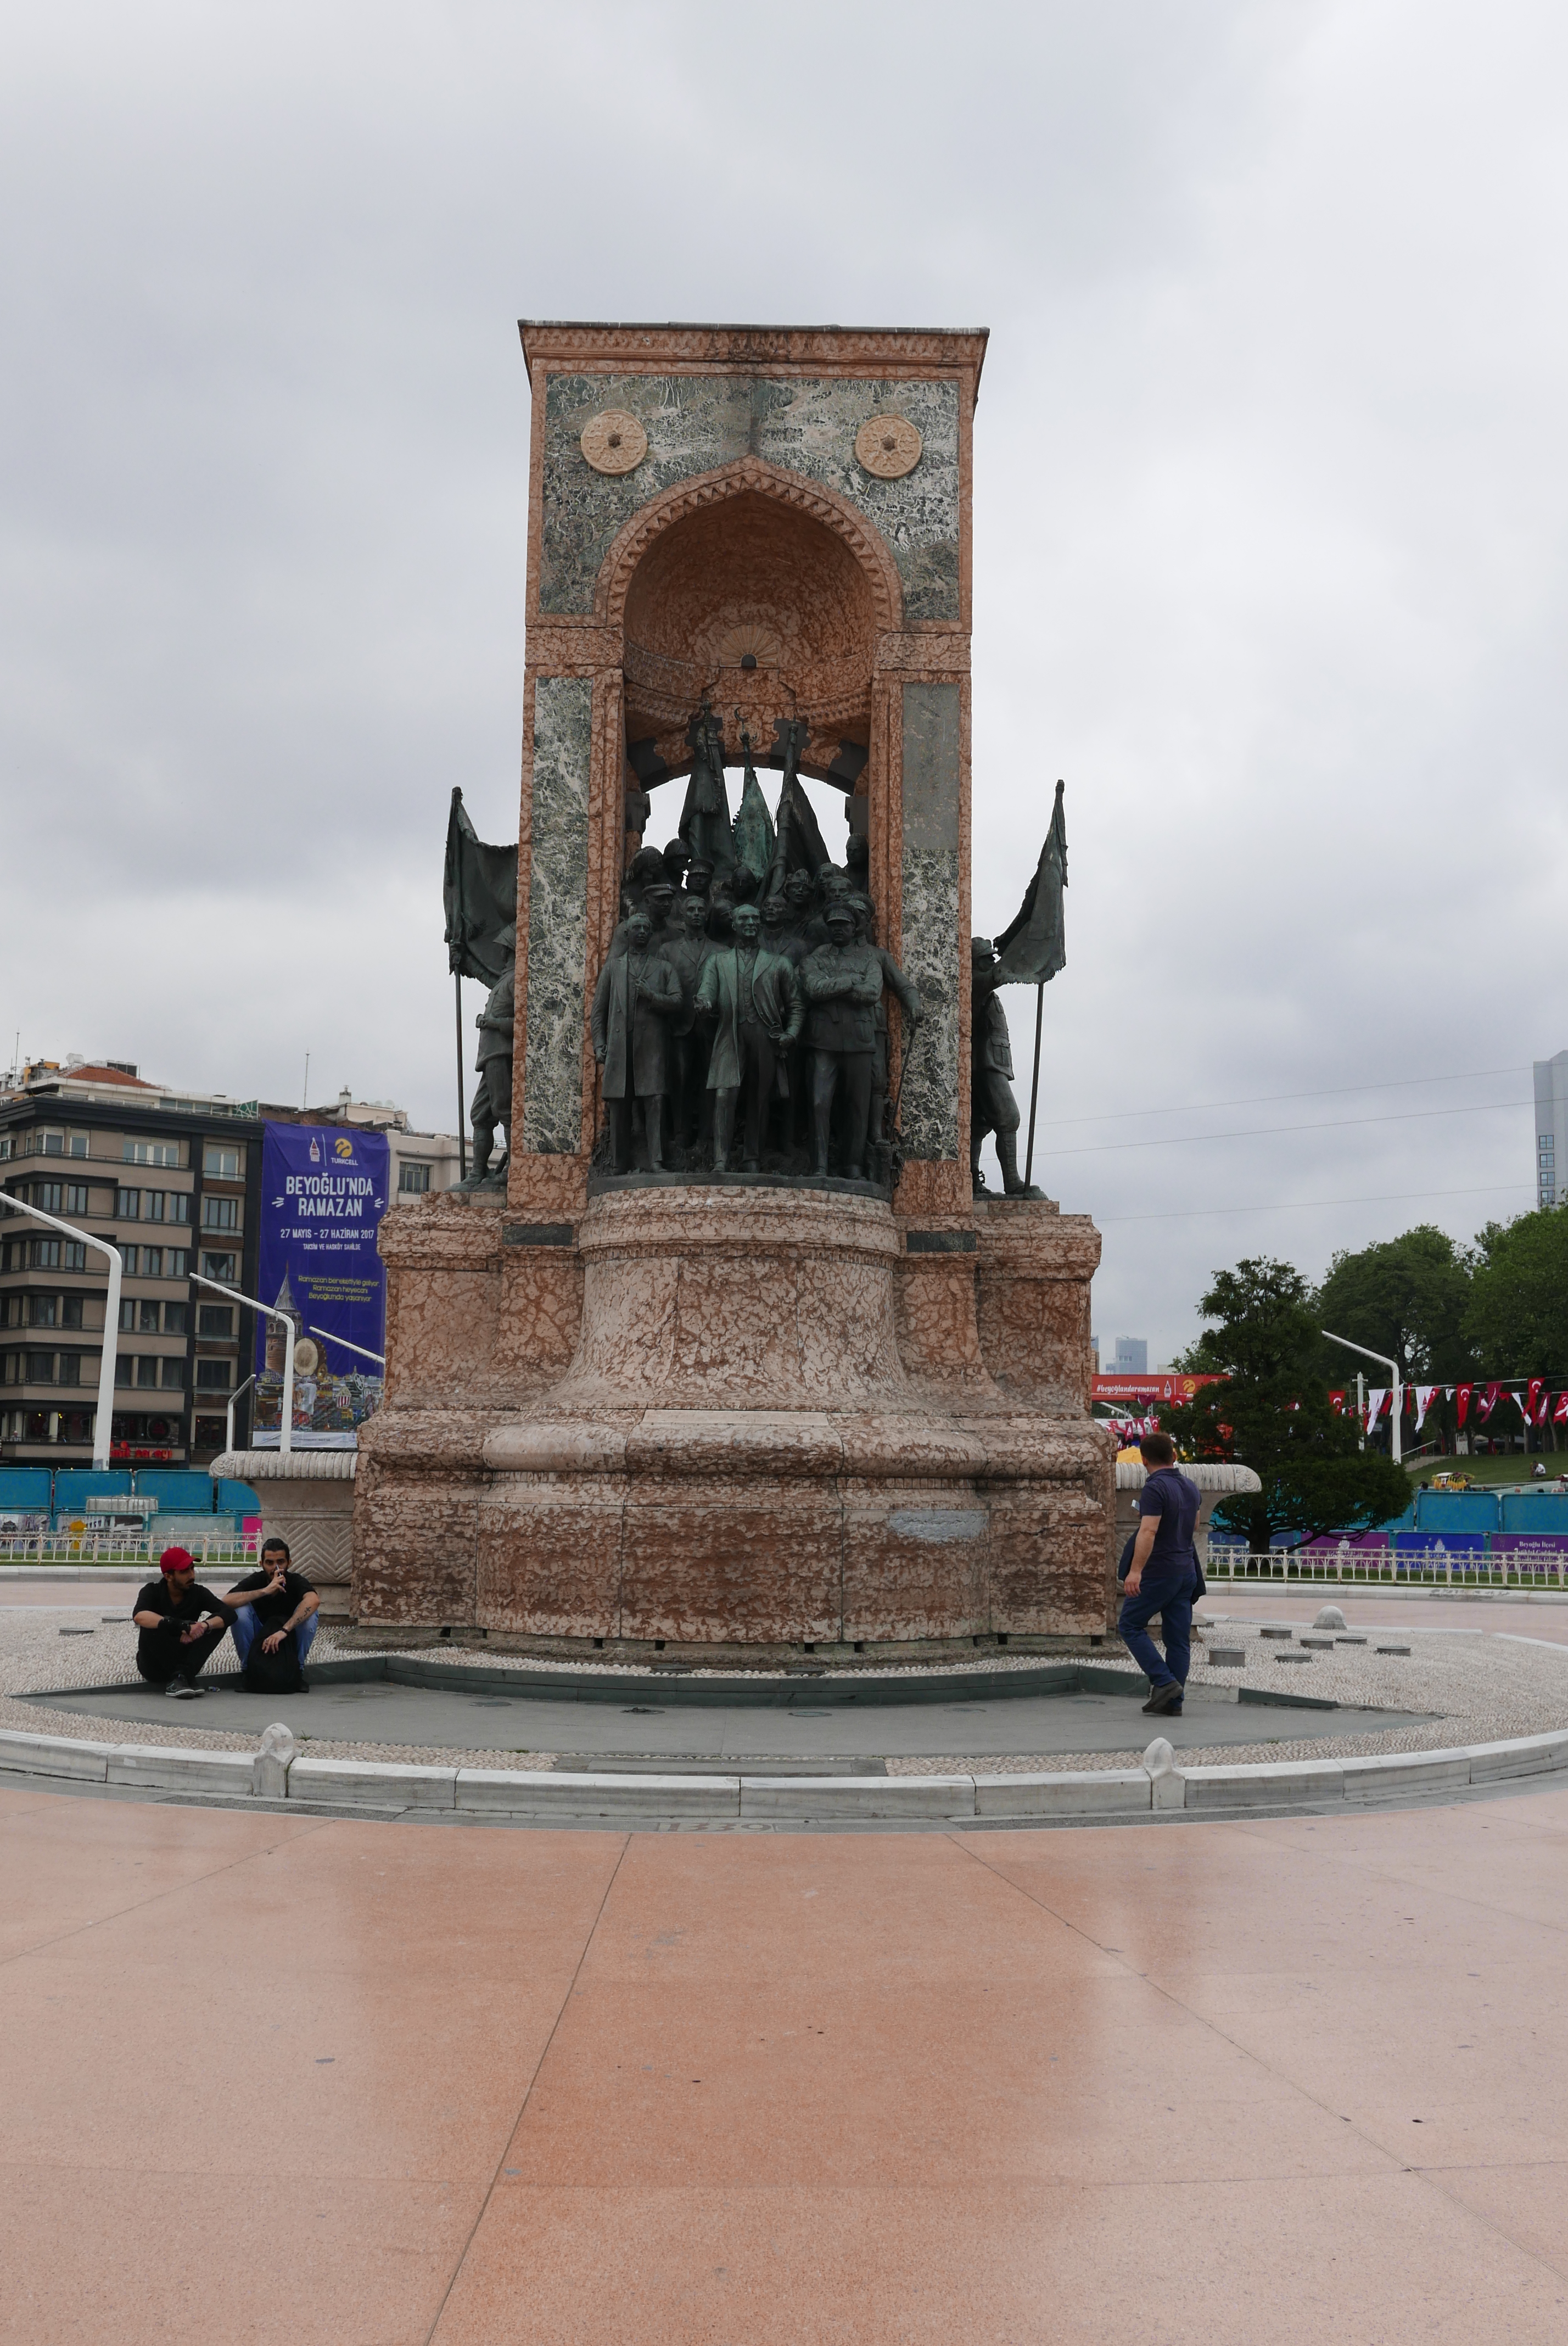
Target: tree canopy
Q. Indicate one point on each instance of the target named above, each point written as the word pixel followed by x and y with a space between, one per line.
pixel 1517 1319
pixel 1407 1298
pixel 1272 1414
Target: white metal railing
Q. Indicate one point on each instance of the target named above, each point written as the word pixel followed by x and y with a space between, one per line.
pixel 1432 1567
pixel 120 1547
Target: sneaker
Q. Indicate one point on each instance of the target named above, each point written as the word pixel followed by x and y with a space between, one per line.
pixel 190 1691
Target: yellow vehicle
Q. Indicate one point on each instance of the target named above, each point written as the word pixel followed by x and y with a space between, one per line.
pixel 1452 1483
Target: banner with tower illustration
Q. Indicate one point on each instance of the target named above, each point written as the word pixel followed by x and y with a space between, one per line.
pixel 324 1189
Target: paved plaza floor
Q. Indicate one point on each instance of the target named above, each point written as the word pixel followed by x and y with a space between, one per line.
pixel 358 2084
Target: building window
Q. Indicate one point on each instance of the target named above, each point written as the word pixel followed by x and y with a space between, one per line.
pixel 47 1194
pixel 413 1180
pixel 70 1311
pixel 70 1369
pixel 56 1254
pixel 152 1152
pixel 125 1369
pixel 146 1369
pixel 176 1262
pixel 220 1213
pixel 10 1368
pixel 146 1317
pixel 5 1148
pixel 175 1318
pixel 173 1372
pixel 128 1204
pixel 214 1376
pixel 76 1197
pixel 211 1433
pixel 151 1260
pixel 40 1368
pixel 214 1319
pixel 77 1143
pixel 221 1267
pixel 43 1311
pixel 220 1164
pixel 51 1144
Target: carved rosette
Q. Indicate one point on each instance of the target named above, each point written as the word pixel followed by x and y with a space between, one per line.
pixel 614 442
pixel 888 447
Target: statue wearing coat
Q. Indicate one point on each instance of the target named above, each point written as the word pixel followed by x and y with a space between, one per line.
pixel 636 994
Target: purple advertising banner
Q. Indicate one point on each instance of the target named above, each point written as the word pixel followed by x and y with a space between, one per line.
pixel 323 1193
pixel 1548 1550
pixel 1329 1543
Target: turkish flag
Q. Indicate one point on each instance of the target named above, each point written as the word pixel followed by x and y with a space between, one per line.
pixel 1543 1407
pixel 1337 1401
pixel 1560 1415
pixel 1462 1399
pixel 1532 1401
pixel 1425 1395
pixel 1488 1402
pixel 1377 1402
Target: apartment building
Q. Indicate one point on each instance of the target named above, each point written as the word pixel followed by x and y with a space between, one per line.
pixel 173 1182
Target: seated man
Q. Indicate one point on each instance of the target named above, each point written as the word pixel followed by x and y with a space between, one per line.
pixel 181 1624
pixel 277 1603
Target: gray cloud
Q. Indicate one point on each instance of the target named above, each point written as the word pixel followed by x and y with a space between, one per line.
pixel 1269 526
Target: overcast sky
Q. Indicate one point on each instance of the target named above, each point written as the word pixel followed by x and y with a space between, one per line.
pixel 1269 527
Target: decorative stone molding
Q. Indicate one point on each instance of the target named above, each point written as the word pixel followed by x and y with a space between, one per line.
pixel 827 351
pixel 614 442
pixel 888 446
pixel 751 476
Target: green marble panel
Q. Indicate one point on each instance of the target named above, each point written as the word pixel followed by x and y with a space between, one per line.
pixel 931 945
pixel 557 916
pixel 694 424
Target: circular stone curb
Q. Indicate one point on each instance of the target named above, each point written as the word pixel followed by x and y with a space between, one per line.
pixel 381 1789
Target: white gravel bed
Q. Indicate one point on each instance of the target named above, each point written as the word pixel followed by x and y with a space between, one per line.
pixel 32 1653
pixel 1479 1687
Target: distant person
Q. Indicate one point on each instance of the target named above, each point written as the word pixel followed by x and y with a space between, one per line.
pixel 181 1624
pixel 1162 1577
pixel 274 1605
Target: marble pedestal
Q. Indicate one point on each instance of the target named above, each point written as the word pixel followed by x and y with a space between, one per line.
pixel 737 1424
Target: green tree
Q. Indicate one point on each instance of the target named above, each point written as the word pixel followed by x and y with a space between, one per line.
pixel 1408 1299
pixel 1272 1414
pixel 1518 1315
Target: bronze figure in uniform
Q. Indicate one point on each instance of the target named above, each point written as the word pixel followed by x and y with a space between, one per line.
pixel 636 994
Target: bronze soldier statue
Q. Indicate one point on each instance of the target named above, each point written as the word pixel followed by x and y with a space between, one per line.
pixel 637 992
pixel 688 954
pixel 842 981
pixel 493 1093
pixel 992 1106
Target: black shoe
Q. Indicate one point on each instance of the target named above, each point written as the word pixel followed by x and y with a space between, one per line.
pixel 1163 1698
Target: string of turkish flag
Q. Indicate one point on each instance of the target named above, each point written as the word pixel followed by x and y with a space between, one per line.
pixel 1536 1405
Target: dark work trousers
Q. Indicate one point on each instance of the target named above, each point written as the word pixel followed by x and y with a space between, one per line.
pixel 757 1084
pixel 1169 1593
pixel 849 1074
pixel 160 1655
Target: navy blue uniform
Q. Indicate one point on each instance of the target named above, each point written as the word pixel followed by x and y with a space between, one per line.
pixel 1170 1581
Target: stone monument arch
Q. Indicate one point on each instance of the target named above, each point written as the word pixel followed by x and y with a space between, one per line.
pixel 741 1416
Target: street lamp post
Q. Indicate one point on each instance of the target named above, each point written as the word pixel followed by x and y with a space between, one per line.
pixel 286 1420
pixel 359 1348
pixel 103 1424
pixel 229 1411
pixel 1393 1369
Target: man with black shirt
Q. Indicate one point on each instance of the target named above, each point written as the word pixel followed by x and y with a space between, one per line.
pixel 277 1603
pixel 181 1624
pixel 1162 1577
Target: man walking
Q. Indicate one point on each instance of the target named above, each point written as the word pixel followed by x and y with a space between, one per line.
pixel 1162 1577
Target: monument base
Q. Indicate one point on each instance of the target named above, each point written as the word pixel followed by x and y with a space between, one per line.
pixel 712 1422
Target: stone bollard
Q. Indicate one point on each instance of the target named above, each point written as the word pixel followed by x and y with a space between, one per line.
pixel 270 1769
pixel 1330 1617
pixel 1168 1784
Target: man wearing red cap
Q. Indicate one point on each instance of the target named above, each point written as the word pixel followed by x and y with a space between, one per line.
pixel 181 1624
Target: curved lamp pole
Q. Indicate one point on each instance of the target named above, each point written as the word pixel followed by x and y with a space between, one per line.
pixel 229 1411
pixel 103 1424
pixel 1393 1369
pixel 286 1417
pixel 343 1340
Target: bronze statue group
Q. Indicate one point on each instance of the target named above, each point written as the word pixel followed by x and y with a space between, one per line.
pixel 740 1020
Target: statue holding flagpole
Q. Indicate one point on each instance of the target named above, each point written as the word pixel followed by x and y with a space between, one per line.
pixel 1029 951
pixel 479 888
